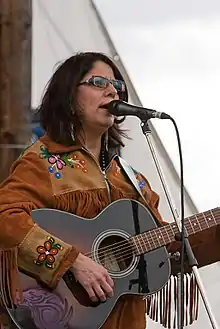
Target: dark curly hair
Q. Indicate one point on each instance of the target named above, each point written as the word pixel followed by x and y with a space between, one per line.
pixel 57 109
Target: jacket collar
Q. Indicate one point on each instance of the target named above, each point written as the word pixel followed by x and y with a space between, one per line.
pixel 54 147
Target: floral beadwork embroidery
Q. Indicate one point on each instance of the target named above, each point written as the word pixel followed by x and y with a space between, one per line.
pixel 77 163
pixel 56 159
pixel 47 253
pixel 59 161
pixel 141 182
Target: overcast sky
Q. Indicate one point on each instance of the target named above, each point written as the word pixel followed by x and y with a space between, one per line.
pixel 171 50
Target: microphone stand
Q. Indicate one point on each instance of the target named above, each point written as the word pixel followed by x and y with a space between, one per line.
pixel 191 258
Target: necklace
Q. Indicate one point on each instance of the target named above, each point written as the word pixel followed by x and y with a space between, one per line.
pixel 103 159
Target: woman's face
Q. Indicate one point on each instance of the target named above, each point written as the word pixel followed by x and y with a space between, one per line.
pixel 92 98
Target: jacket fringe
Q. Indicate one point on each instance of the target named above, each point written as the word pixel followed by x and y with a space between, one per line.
pixel 88 203
pixel 162 307
pixel 10 288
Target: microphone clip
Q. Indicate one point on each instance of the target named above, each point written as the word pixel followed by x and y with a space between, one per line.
pixel 172 256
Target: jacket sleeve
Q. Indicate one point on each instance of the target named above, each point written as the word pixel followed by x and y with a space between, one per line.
pixel 205 244
pixel 22 243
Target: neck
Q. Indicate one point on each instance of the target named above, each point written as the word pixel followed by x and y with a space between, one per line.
pixel 94 147
pixel 92 143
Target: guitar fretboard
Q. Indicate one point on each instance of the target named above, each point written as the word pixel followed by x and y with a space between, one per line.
pixel 162 236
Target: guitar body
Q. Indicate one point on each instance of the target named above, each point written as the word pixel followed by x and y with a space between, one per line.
pixel 68 306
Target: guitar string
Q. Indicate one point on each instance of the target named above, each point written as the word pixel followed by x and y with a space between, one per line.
pixel 122 256
pixel 121 243
pixel 123 252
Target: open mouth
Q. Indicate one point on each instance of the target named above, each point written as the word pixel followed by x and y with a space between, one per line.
pixel 104 106
pixel 105 110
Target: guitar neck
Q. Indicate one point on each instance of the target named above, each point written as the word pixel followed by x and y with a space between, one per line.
pixel 164 235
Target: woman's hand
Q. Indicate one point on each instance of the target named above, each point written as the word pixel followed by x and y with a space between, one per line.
pixel 93 277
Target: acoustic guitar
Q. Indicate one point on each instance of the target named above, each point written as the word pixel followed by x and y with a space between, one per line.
pixel 126 239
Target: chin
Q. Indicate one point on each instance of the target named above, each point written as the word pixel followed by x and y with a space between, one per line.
pixel 109 122
pixel 104 125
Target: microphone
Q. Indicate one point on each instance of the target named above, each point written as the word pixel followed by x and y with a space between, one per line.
pixel 120 108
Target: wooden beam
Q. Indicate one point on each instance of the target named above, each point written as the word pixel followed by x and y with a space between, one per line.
pixel 15 79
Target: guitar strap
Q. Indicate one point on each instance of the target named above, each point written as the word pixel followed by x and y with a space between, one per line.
pixel 142 266
pixel 130 174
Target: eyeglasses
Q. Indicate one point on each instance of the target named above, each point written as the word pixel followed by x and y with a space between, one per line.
pixel 102 82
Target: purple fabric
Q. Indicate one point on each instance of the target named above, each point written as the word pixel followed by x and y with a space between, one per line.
pixel 47 309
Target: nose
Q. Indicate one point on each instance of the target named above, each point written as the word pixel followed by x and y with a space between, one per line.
pixel 110 90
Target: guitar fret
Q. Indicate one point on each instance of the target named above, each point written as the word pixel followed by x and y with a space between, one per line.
pixel 213 216
pixel 191 225
pixel 139 245
pixel 185 227
pixel 174 228
pixel 210 219
pixel 179 228
pixel 157 236
pixel 206 222
pixel 162 236
pixel 143 246
pixel 152 239
pixel 170 235
pixel 200 227
pixel 195 224
pixel 148 238
pixel 169 239
pixel 135 242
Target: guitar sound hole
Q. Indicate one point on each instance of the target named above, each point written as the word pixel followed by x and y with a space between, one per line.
pixel 115 254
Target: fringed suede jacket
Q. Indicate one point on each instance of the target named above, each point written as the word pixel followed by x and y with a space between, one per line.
pixel 49 175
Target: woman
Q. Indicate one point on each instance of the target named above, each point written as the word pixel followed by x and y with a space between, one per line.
pixel 72 168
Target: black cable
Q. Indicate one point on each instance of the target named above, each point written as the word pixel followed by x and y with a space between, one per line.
pixel 183 233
